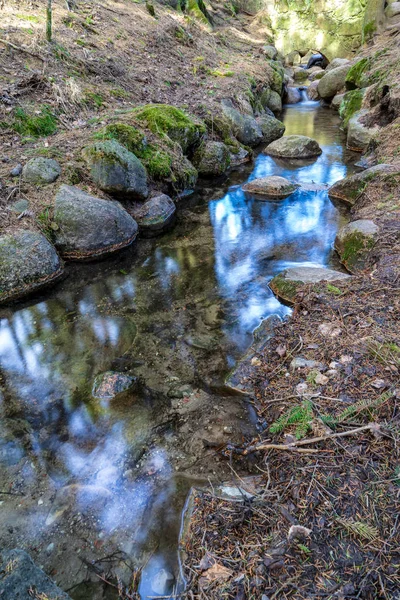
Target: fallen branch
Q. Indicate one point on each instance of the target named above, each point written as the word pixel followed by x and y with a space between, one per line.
pixel 294 445
pixel 21 49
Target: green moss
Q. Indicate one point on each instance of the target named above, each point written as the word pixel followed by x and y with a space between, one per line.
pixel 93 99
pixel 277 76
pixel 350 104
pixel 40 125
pixel 108 151
pixel 368 31
pixel 283 288
pixel 356 77
pixel 354 246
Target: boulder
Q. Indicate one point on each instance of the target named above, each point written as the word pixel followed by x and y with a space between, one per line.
pixel 271 187
pixel 312 91
pixel 274 102
pixel 293 58
pixel 272 129
pixel 299 74
pixel 109 384
pixel 337 62
pixel 354 242
pixel 336 101
pixel 28 262
pixel 245 128
pixel 349 189
pixel 285 284
pixel 21 579
pixel 358 135
pixel 116 170
pixel 293 95
pixel 316 74
pixel 155 215
pixel 89 227
pixel 392 10
pixel 351 103
pixel 40 171
pixel 270 52
pixel 332 82
pixel 276 76
pixel 212 159
pixel 294 146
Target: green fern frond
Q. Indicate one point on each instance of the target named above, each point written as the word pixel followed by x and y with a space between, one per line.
pixel 363 405
pixel 360 529
pixel 300 415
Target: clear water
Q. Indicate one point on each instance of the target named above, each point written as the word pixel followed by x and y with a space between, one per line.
pixel 177 311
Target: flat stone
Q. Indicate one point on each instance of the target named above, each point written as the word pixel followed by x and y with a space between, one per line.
pixel 41 171
pixel 349 189
pixel 271 187
pixel 155 215
pixel 285 284
pixel 294 146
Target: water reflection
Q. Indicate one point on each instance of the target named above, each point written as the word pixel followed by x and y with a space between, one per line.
pixel 177 314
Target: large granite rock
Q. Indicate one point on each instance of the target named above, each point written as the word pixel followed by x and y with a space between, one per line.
pixel 21 579
pixel 40 171
pixel 354 242
pixel 358 134
pixel 272 129
pixel 337 62
pixel 28 262
pixel 294 146
pixel 271 187
pixel 245 128
pixel 116 170
pixel 155 215
pixel 212 159
pixel 90 227
pixel 285 285
pixel 332 82
pixel 349 189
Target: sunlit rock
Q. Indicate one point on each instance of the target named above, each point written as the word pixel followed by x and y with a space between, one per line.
pixel 358 134
pixel 333 81
pixel 272 128
pixel 285 285
pixel 294 146
pixel 349 189
pixel 293 95
pixel 271 187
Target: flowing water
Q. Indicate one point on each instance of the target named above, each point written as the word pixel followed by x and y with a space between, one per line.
pixel 85 480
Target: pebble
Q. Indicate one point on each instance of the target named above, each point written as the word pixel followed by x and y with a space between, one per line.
pixel 50 548
pixel 228 429
pixel 321 379
pixel 162 582
pixel 40 502
pixel 16 171
pixel 301 388
pixel 301 363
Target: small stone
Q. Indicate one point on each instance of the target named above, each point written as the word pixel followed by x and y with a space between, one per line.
pixel 321 379
pixel 19 206
pixel 301 388
pixel 162 582
pixel 332 373
pixel 379 384
pixel 228 429
pixel 41 171
pixel 303 363
pixel 255 362
pixel 329 330
pixel 50 548
pixel 40 502
pixel 16 171
pixel 345 359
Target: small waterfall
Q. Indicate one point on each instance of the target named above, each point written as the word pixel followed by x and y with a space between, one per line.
pixel 304 97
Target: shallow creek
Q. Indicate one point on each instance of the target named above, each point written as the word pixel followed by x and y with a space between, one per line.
pixel 84 480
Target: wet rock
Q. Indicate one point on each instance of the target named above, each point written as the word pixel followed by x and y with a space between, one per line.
pixel 89 227
pixel 358 135
pixel 285 284
pixel 212 159
pixel 244 127
pixel 294 146
pixel 241 157
pixel 332 82
pixel 349 189
pixel 271 187
pixel 272 129
pixel 354 242
pixel 116 170
pixel 336 102
pixel 28 262
pixel 109 384
pixel 20 576
pixel 155 215
pixel 293 95
pixel 16 171
pixel 337 62
pixel 162 582
pixel 40 171
pixel 312 91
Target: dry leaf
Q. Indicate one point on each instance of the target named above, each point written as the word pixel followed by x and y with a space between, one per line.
pixel 215 573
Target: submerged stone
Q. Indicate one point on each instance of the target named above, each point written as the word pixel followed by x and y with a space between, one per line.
pixel 154 216
pixel 271 187
pixel 28 262
pixel 349 189
pixel 108 385
pixel 285 284
pixel 40 171
pixel 294 146
pixel 89 227
pixel 354 242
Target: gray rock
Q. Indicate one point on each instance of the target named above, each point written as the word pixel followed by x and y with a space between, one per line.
pixel 241 157
pixel 90 227
pixel 303 363
pixel 354 242
pixel 108 385
pixel 270 52
pixel 293 95
pixel 19 206
pixel 20 576
pixel 271 187
pixel 392 10
pixel 337 100
pixel 285 284
pixel 294 146
pixel 40 171
pixel 16 171
pixel 337 62
pixel 316 74
pixel 274 102
pixel 333 82
pixel 162 582
pixel 349 189
pixel 272 129
pixel 245 128
pixel 212 159
pixel 312 91
pixel 358 135
pixel 155 215
pixel 116 170
pixel 293 58
pixel 28 262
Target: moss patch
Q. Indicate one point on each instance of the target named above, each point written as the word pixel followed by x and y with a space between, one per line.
pixel 355 249
pixel 350 104
pixel 284 288
pixel 356 77
pixel 35 125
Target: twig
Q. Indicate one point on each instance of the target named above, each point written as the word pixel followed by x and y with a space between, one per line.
pixel 21 49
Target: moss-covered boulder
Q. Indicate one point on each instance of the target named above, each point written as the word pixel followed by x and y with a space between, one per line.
pixel 294 146
pixel 285 285
pixel 350 189
pixel 274 102
pixel 332 82
pixel 272 187
pixel 212 158
pixel 270 52
pixel 350 104
pixel 116 170
pixel 244 127
pixel 357 75
pixel 28 262
pixel 299 74
pixel 179 126
pixel 272 129
pixel 354 243
pixel 40 171
pixel 90 227
pixel 277 76
pixel 358 134
pixel 155 215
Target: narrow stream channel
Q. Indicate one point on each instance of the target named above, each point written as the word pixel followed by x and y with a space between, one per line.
pixel 106 480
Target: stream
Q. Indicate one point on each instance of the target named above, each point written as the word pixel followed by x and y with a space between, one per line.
pixel 104 482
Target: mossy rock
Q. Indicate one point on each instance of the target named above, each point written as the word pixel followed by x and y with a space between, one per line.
pixel 277 76
pixel 155 215
pixel 274 102
pixel 28 262
pixel 350 104
pixel 179 126
pixel 350 189
pixel 272 129
pixel 212 159
pixel 244 127
pixel 354 243
pixel 271 187
pixel 41 171
pixel 357 75
pixel 358 134
pixel 286 284
pixel 116 170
